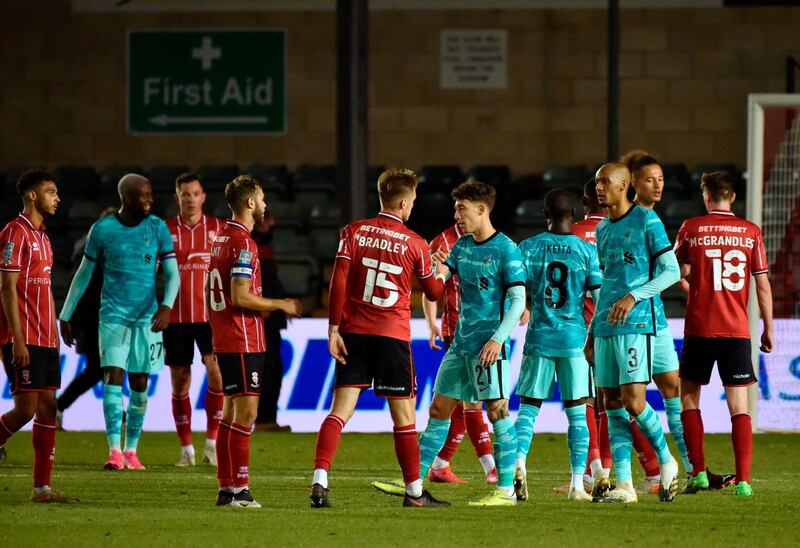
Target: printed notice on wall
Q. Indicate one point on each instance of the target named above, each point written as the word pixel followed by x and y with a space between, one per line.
pixel 474 59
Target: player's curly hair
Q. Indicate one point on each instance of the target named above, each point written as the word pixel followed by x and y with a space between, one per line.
pixel 239 190
pixel 475 191
pixel 718 184
pixel 32 178
pixel 637 159
pixel 394 184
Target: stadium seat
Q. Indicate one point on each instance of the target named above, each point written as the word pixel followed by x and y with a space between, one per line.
pixel 679 210
pixel 432 213
pixel 529 214
pixel 676 178
pixel 163 177
pixel 325 215
pixel 216 176
pixel 288 241
pixel 83 212
pixel 436 177
pixel 315 178
pixel 274 179
pixel 496 175
pixel 527 187
pixel 324 243
pixel 77 180
pixel 300 279
pixel 571 176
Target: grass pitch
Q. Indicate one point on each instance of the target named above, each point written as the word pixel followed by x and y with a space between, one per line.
pixel 165 505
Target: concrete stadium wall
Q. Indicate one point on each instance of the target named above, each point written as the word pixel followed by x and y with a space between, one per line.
pixel 685 77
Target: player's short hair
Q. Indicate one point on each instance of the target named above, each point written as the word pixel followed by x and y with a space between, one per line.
pixel 32 178
pixel 475 191
pixel 239 190
pixel 559 203
pixel 394 183
pixel 184 178
pixel 718 184
pixel 637 159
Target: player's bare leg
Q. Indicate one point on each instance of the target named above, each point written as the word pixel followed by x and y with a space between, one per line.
pixel 181 376
pixel 330 432
pixel 242 412
pixel 112 412
pixel 633 397
pixel 214 398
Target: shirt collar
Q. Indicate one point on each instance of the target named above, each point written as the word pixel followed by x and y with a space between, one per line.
pixel 27 218
pixel 727 212
pixel 396 218
pixel 237 225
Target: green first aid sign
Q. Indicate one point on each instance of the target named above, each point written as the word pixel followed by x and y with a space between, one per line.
pixel 207 81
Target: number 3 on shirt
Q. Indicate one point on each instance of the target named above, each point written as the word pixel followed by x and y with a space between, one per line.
pixel 376 277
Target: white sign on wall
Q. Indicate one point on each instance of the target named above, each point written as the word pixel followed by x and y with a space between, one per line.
pixel 474 59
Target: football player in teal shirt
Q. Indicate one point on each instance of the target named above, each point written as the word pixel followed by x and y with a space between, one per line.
pixel 130 245
pixel 560 268
pixel 638 262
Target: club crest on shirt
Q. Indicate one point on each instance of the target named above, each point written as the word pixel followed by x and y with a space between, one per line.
pixel 254 379
pixel 26 376
pixel 245 256
pixel 628 234
pixel 35 246
pixel 8 252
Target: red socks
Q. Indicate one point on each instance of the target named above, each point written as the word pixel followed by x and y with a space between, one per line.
pixel 693 436
pixel 478 432
pixel 742 437
pixel 224 473
pixel 406 446
pixel 239 450
pixel 603 440
pixel 44 451
pixel 647 457
pixel 182 413
pixel 458 427
pixel 594 448
pixel 330 432
pixel 213 413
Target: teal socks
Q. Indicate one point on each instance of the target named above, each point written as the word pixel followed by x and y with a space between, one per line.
pixel 505 449
pixel 524 427
pixel 621 441
pixel 431 442
pixel 577 438
pixel 673 408
pixel 112 411
pixel 651 428
pixel 137 406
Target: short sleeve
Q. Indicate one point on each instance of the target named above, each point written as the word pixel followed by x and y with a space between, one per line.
pixel 758 262
pixel 424 267
pixel 166 249
pixel 244 263
pixel 12 242
pixel 345 250
pixel 594 279
pixel 513 268
pixel 94 248
pixel 682 245
pixel 656 236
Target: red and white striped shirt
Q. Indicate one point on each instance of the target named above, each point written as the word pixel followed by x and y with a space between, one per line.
pixel 586 230
pixel 451 297
pixel 234 254
pixel 26 249
pixel 193 250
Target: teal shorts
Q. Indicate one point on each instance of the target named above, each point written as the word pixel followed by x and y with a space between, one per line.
pixel 665 358
pixel 134 349
pixel 538 374
pixel 623 359
pixel 465 379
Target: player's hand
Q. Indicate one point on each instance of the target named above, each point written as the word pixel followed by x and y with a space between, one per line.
pixel 439 256
pixel 588 350
pixel 21 358
pixel 292 307
pixel 66 333
pixel 621 309
pixel 489 353
pixel 434 333
pixel 525 318
pixel 767 342
pixel 336 345
pixel 160 319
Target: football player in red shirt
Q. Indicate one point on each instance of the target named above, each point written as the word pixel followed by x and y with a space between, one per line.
pixel 369 329
pixel 235 306
pixel 192 234
pixel 467 417
pixel 719 253
pixel 28 331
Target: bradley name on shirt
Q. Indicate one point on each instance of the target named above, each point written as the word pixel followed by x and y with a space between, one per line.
pixel 381 243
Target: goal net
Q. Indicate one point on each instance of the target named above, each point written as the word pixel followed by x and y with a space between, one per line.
pixel 773 202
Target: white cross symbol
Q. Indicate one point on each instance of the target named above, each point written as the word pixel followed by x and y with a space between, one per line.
pixel 206 53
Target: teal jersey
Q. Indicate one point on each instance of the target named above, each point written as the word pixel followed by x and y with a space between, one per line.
pixel 628 248
pixel 661 316
pixel 560 269
pixel 129 256
pixel 486 271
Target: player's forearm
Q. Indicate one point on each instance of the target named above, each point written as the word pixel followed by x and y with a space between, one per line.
pixel 764 296
pixel 516 298
pixel 77 288
pixel 668 274
pixel 429 311
pixel 173 282
pixel 337 291
pixel 11 308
